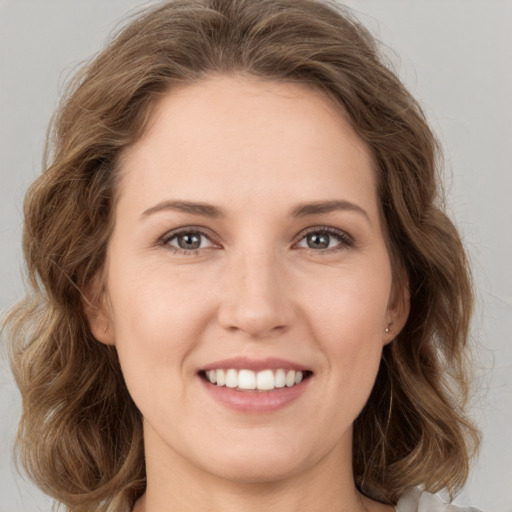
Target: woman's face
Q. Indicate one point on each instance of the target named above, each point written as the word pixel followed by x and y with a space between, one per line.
pixel 247 247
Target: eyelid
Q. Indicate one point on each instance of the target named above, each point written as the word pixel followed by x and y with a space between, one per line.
pixel 173 233
pixel 346 240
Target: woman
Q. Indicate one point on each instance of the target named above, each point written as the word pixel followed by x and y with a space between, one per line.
pixel 246 295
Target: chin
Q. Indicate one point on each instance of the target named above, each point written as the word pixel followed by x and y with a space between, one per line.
pixel 257 471
pixel 260 463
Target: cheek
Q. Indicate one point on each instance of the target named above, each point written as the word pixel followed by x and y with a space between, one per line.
pixel 354 305
pixel 349 320
pixel 160 305
pixel 157 322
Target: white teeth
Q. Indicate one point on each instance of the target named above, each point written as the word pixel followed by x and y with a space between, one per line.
pixel 280 379
pixel 231 379
pixel 264 380
pixel 246 379
pixel 290 378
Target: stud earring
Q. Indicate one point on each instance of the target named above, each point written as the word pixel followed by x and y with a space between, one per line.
pixel 386 330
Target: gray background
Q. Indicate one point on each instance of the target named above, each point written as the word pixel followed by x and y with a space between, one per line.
pixel 455 56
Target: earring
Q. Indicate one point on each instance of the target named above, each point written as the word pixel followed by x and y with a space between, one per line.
pixel 386 330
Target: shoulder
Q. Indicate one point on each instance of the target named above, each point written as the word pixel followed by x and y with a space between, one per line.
pixel 417 500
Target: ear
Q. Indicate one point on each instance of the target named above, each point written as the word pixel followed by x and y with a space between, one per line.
pixel 95 304
pixel 397 312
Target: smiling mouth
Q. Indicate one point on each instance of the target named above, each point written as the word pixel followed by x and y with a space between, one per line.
pixel 249 380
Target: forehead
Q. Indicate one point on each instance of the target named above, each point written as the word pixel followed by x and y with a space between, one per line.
pixel 230 135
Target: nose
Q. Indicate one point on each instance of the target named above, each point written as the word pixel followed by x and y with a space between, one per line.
pixel 255 296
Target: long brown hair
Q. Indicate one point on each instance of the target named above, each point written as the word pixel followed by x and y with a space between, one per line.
pixel 80 435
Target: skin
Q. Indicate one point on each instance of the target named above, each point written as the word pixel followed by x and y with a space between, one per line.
pixel 255 288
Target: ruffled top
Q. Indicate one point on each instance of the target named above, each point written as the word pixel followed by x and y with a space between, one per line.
pixel 417 500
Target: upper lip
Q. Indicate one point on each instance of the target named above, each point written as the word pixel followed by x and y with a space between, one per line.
pixel 247 363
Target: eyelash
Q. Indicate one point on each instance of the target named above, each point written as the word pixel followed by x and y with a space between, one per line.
pixel 168 237
pixel 345 240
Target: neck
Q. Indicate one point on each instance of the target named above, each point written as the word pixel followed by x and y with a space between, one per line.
pixel 253 498
pixel 176 484
pixel 263 502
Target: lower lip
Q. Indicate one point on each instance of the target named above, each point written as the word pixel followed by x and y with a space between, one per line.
pixel 256 402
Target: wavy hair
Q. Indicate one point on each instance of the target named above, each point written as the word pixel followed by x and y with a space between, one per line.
pixel 80 435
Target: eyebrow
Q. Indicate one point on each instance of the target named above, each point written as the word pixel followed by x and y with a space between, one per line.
pixel 195 208
pixel 301 210
pixel 319 207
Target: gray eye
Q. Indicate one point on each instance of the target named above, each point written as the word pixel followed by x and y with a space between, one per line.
pixel 318 240
pixel 187 241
